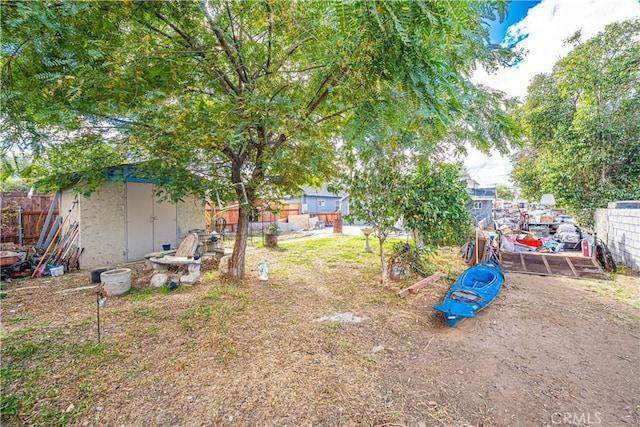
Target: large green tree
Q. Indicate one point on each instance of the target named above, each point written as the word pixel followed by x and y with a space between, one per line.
pixel 582 123
pixel 252 96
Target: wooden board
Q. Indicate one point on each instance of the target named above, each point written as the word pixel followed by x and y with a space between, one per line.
pixel 552 265
pixel 421 284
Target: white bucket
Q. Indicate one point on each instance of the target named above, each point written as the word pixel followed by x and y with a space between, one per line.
pixel 116 282
pixel 56 271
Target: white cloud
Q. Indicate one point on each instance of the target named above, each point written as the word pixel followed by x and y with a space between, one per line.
pixel 543 31
pixel 541 34
pixel 487 170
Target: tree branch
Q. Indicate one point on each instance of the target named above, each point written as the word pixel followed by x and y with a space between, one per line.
pixel 188 42
pixel 223 43
pixel 288 54
pixel 184 36
pixel 242 72
pixel 336 114
pixel 324 90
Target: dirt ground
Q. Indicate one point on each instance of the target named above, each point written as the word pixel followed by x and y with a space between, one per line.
pixel 548 351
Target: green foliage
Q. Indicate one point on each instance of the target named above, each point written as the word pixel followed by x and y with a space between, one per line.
pixel 582 124
pixel 434 204
pixel 388 185
pixel 413 258
pixel 376 185
pixel 240 98
pixel 505 193
pixel 272 229
pixel 15 170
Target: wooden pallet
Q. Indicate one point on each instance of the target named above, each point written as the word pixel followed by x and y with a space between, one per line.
pixel 552 265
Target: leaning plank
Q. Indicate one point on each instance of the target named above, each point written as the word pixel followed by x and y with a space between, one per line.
pixel 421 284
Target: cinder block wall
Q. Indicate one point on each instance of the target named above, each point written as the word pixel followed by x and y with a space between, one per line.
pixel 620 229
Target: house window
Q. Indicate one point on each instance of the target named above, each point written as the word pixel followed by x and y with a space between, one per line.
pixel 321 203
pixel 477 205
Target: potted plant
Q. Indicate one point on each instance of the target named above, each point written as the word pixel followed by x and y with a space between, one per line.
pixel 271 235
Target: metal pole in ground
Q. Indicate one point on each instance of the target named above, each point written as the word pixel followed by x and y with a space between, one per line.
pixel 98 311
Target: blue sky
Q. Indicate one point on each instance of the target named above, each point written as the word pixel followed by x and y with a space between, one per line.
pixel 517 11
pixel 539 29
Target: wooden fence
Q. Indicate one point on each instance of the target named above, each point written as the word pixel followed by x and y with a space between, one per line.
pixel 265 216
pixel 20 213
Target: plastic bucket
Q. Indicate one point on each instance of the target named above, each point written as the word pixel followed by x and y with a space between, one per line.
pixel 56 271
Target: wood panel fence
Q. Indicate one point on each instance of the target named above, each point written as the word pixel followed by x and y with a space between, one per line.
pixel 265 216
pixel 23 215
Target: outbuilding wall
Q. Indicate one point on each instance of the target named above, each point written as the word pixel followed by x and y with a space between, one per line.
pixel 191 216
pixel 101 217
pixel 102 221
pixel 620 230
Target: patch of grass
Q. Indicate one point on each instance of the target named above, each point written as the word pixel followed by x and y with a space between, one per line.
pixel 221 304
pixel 345 290
pixel 145 312
pixel 139 295
pixel 386 299
pixel 20 350
pixel 19 390
pixel 346 347
pixel 611 288
pixel 210 276
pixel 29 397
pixel 19 318
pixel 149 313
pixel 23 332
pixel 332 326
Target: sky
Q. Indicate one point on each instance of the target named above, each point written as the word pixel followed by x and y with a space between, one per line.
pixel 539 28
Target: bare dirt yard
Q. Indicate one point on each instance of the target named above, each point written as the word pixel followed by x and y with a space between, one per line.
pixel 322 343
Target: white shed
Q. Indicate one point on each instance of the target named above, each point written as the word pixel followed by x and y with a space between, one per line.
pixel 122 221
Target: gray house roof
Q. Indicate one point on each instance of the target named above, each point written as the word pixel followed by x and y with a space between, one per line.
pixel 482 193
pixel 321 192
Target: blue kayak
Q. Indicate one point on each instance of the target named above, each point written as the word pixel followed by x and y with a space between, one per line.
pixel 472 291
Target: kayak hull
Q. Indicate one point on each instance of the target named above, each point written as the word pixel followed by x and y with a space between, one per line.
pixel 472 291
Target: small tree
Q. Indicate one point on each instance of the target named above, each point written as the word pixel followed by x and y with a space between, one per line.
pixel 387 185
pixel 433 205
pixel 376 185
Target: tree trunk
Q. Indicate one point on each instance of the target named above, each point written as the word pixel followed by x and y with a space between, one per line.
pixel 418 240
pixel 383 265
pixel 236 264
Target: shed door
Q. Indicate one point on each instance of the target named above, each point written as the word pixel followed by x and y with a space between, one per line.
pixel 165 224
pixel 149 223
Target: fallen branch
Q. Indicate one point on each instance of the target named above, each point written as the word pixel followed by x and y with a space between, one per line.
pixel 421 284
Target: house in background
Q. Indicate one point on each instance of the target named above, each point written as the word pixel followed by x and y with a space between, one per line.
pixel 321 200
pixel 123 221
pixel 481 204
